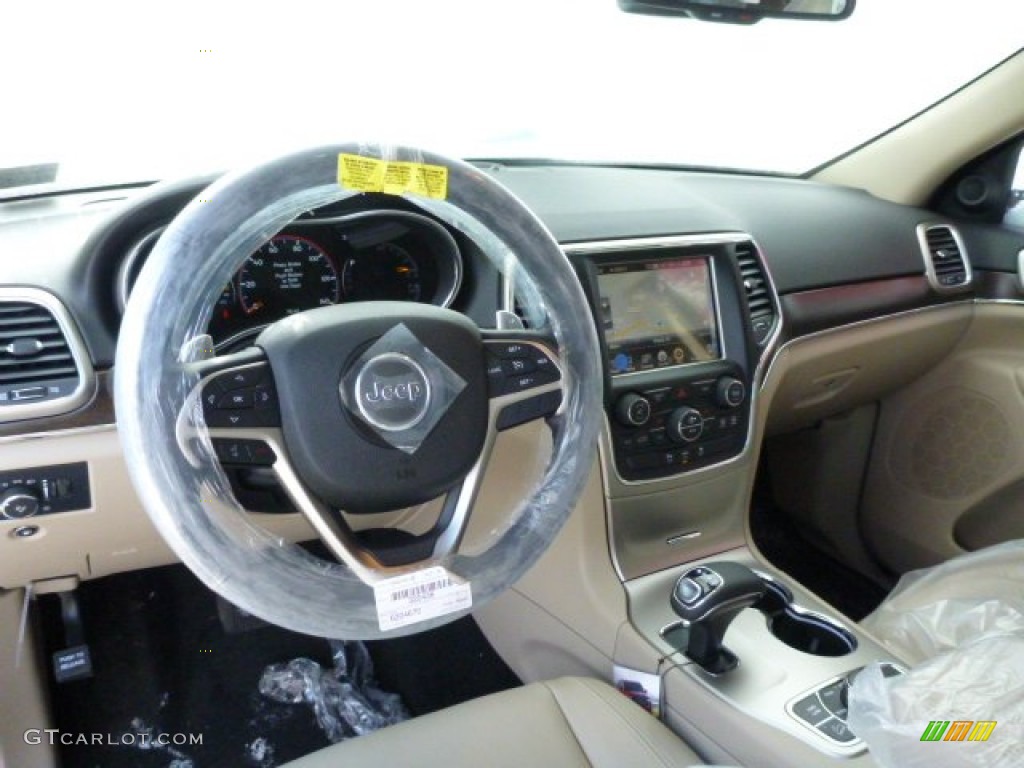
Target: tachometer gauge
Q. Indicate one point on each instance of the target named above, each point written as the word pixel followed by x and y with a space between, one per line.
pixel 287 275
pixel 384 272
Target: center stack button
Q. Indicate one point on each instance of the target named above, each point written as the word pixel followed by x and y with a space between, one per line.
pixel 685 425
pixel 633 410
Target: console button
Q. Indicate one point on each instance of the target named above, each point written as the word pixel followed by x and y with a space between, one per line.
pixel 643 462
pixel 688 591
pixel 657 396
pixel 810 710
pixel 730 392
pixel 836 730
pixel 685 425
pixel 691 433
pixel 633 410
pixel 832 698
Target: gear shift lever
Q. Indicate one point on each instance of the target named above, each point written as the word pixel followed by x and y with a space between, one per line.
pixel 708 598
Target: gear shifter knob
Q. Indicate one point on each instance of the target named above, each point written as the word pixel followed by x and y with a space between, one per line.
pixel 708 598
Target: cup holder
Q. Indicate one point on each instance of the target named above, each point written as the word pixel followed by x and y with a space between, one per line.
pixel 799 628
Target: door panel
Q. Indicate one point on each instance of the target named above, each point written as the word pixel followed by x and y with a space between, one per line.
pixel 947 468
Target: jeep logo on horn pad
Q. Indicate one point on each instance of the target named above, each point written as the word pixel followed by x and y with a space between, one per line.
pixel 392 392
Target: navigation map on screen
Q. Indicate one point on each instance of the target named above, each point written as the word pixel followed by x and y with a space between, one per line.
pixel 657 314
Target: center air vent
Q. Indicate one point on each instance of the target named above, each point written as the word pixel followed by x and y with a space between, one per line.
pixel 759 295
pixel 41 366
pixel 945 258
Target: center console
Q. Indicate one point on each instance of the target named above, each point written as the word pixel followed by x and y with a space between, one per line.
pixel 790 661
pixel 686 325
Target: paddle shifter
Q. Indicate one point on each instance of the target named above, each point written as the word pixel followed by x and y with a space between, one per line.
pixel 708 598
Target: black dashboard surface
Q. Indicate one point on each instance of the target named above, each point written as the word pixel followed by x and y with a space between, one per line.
pixel 812 236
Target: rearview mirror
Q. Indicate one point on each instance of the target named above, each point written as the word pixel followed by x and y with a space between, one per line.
pixel 743 11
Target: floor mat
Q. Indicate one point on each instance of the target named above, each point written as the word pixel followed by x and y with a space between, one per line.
pixel 781 542
pixel 164 665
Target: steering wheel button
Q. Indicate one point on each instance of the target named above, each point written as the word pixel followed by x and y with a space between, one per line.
pixel 263 397
pixel 262 454
pixel 242 379
pixel 528 410
pixel 239 398
pixel 507 349
pixel 242 418
pixel 233 451
pixel 517 366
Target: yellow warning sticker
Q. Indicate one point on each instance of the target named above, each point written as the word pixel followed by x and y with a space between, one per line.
pixel 368 174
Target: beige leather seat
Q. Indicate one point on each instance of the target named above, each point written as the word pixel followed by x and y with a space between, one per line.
pixel 567 722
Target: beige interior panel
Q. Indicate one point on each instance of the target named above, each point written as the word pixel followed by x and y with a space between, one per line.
pixel 22 705
pixel 866 360
pixel 816 477
pixel 517 465
pixel 677 525
pixel 113 535
pixel 572 592
pixel 948 444
pixel 908 163
pixel 536 644
pixel 724 734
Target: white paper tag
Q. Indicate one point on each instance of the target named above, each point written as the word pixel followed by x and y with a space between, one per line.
pixel 420 596
pixel 640 687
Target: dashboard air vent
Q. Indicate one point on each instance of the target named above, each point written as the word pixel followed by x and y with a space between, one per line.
pixel 945 258
pixel 759 295
pixel 42 369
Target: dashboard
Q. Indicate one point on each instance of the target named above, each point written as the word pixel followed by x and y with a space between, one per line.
pixel 377 255
pixel 699 284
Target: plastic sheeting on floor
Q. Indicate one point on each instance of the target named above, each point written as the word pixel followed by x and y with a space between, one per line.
pixel 345 699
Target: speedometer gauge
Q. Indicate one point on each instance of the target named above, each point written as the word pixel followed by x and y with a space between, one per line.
pixel 384 272
pixel 289 274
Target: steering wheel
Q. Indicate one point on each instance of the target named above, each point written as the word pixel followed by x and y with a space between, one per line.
pixel 362 407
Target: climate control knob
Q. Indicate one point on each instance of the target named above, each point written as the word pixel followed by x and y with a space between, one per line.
pixel 633 410
pixel 685 425
pixel 18 503
pixel 730 392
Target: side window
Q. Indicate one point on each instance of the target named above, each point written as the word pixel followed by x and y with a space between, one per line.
pixel 1015 205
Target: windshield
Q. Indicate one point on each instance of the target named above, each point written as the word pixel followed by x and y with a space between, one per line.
pixel 115 93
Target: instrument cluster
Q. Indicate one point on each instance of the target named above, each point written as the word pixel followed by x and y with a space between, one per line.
pixel 367 256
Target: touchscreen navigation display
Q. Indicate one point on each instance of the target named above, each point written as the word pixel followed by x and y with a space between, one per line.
pixel 657 314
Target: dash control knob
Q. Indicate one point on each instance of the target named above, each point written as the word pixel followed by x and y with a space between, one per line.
pixel 730 392
pixel 685 425
pixel 633 410
pixel 18 503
